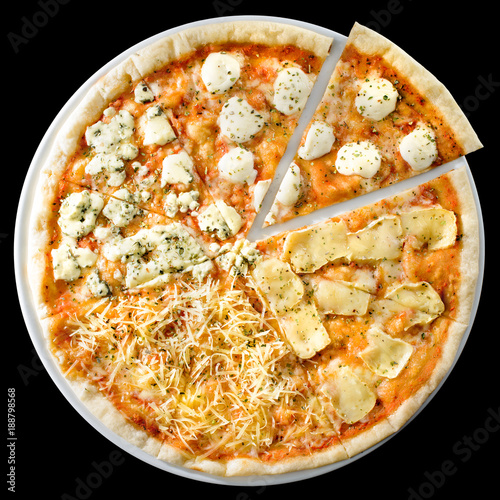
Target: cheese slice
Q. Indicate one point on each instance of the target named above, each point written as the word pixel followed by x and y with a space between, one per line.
pixel 435 227
pixel 341 297
pixel 304 330
pixel 420 297
pixel 385 356
pixel 309 249
pixel 351 398
pixel 380 240
pixel 282 288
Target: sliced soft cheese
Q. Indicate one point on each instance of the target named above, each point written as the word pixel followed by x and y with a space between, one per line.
pixel 304 330
pixel 340 297
pixel 220 218
pixel 282 288
pixel 419 148
pixel 376 98
pixel 351 398
pixel 434 227
pixel 319 141
pixel 238 121
pixel 309 249
pixel 420 297
pixel 385 356
pixel 231 216
pixel 380 240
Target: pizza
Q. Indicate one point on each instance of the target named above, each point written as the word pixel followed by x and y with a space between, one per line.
pixel 291 351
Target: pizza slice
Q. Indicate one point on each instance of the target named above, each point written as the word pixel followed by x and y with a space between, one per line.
pixel 386 294
pixel 383 118
pixel 204 113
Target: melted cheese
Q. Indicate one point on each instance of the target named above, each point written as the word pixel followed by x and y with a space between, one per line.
pixel 376 98
pixel 304 329
pixel 291 90
pixel 239 121
pixel 420 297
pixel 341 297
pixel 351 398
pixel 282 288
pixel 385 356
pixel 311 248
pixel 434 227
pixel 380 240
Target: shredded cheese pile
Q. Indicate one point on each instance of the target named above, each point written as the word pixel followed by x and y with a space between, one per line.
pixel 207 363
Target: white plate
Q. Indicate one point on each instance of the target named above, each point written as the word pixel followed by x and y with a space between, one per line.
pixel 21 241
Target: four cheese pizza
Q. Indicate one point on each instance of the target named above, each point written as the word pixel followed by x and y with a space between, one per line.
pixel 239 357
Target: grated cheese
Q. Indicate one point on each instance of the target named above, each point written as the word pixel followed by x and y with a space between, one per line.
pixel 203 361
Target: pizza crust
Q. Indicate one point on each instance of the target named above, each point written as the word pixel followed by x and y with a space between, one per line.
pixel 372 43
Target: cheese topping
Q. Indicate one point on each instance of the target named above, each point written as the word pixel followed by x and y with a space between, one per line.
pixel 182 202
pixel 238 121
pixel 385 356
pixel 380 240
pixel 157 128
pixel 202 359
pixel 341 297
pixel 220 218
pixel 419 148
pixel 376 98
pixel 67 261
pixel 78 213
pixel 143 94
pixel 420 297
pixel 282 288
pixel 304 330
pixel 434 227
pixel 358 158
pixel 311 248
pixel 291 90
pixel 172 249
pixel 237 166
pixel 177 169
pixel 351 398
pixel 291 185
pixel 122 210
pixel 259 193
pixel 319 141
pixel 220 72
pixel 112 143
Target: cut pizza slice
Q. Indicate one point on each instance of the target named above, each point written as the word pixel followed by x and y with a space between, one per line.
pixel 383 118
pixel 208 110
pixel 390 283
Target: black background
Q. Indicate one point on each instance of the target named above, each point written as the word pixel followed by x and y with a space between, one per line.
pixel 56 450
